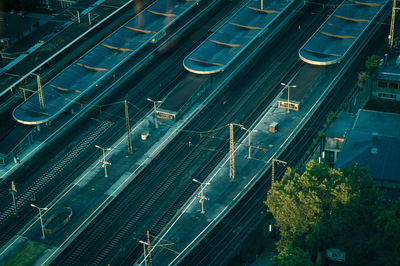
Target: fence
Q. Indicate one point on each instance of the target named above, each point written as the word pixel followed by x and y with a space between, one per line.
pixel 18 149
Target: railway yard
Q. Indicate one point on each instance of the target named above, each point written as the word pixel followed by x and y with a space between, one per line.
pixel 122 154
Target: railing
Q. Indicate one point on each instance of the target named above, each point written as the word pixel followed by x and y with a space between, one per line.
pixel 18 149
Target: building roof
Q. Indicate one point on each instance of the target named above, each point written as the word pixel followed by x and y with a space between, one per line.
pixel 340 127
pixel 374 142
pixel 85 73
pixel 217 52
pixel 332 41
pixel 58 32
pixel 390 69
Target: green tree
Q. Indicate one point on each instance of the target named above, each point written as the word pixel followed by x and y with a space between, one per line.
pixel 350 228
pixel 372 63
pixel 387 238
pixel 362 79
pixel 301 198
pixel 293 257
pixel 317 207
pixel 332 116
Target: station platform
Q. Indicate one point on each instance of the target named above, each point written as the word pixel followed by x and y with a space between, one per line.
pixel 189 226
pixel 63 30
pixel 101 62
pixel 92 191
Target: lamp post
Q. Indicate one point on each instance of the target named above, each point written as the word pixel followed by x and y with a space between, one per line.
pixel 104 162
pixel 273 168
pixel 13 190
pixel 201 185
pixel 288 93
pixel 250 131
pixel 201 197
pixel 155 110
pixel 40 217
pixel 202 202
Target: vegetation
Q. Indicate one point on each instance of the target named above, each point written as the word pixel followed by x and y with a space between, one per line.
pixel 387 238
pixel 318 207
pixel 372 63
pixel 332 116
pixel 293 257
pixel 362 79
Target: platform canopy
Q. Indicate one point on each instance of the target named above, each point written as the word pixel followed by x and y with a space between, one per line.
pixel 86 73
pixel 332 41
pixel 217 52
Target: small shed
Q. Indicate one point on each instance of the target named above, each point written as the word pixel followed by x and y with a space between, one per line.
pixel 273 127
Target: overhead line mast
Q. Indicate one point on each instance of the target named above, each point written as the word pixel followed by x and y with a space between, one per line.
pixel 391 34
pixel 40 92
pixel 128 128
pixel 231 152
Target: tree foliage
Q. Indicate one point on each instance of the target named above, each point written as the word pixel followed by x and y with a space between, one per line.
pixel 332 116
pixel 300 200
pixel 387 238
pixel 293 257
pixel 319 207
pixel 372 63
pixel 362 79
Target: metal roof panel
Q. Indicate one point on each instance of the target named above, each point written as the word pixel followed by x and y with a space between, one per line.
pixel 241 29
pixel 86 72
pixel 332 41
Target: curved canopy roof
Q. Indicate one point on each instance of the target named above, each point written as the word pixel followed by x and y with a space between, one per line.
pixel 331 42
pixel 230 40
pixel 90 69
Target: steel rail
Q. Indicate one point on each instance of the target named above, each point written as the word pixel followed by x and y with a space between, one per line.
pixel 246 215
pixel 37 185
pixel 154 175
pixel 65 47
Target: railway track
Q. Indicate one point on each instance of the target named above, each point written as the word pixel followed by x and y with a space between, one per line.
pixel 37 190
pixel 39 180
pixel 247 214
pixel 170 174
pixel 225 240
pixel 9 101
